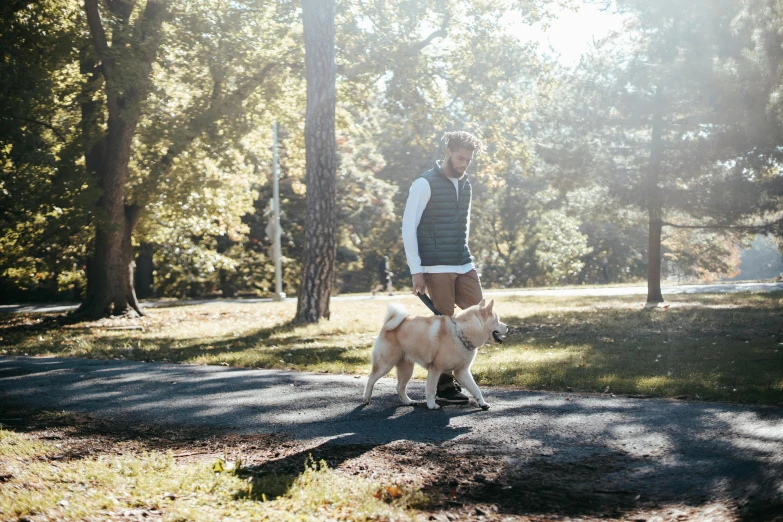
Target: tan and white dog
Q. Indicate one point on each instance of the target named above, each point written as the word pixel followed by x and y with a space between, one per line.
pixel 441 344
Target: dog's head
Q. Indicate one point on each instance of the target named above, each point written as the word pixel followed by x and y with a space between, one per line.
pixel 488 319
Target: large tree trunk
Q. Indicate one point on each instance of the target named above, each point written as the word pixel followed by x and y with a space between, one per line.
pixel 317 282
pixel 110 274
pixel 654 206
pixel 110 290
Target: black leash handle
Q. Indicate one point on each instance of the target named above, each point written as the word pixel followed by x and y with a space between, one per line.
pixel 428 303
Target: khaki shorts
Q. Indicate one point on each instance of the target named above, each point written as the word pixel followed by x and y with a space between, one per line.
pixel 449 289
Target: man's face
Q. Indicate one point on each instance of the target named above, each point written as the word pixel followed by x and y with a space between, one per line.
pixel 459 160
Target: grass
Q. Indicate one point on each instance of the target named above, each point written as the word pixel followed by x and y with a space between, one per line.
pixel 714 347
pixel 154 484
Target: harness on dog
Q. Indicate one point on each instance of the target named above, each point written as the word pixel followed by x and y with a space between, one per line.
pixel 429 304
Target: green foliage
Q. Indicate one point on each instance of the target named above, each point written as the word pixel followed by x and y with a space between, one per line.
pixel 561 187
pixel 44 195
pixel 675 65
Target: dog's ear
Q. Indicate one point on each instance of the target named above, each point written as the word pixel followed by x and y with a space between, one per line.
pixel 481 304
pixel 486 311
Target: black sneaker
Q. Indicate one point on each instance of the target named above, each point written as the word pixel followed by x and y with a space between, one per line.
pixel 451 395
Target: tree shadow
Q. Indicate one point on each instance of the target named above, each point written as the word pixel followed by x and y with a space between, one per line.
pixel 644 454
pixel 713 353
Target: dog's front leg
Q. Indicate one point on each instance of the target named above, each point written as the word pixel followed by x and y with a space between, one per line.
pixel 466 380
pixel 431 387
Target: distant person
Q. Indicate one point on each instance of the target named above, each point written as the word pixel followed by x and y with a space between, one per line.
pixel 384 277
pixel 604 270
pixel 435 229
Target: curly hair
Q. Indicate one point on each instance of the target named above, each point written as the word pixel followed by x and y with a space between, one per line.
pixel 463 140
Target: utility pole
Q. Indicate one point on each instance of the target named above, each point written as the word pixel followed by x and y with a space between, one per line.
pixel 278 295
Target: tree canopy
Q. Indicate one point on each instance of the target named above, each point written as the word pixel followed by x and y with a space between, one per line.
pixel 668 129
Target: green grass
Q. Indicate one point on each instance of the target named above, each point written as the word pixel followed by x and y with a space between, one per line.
pixel 153 482
pixel 710 347
pixel 715 347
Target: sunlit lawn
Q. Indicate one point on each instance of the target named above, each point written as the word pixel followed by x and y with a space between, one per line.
pixel 716 347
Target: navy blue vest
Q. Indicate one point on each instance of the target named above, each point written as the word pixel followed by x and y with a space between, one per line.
pixel 443 231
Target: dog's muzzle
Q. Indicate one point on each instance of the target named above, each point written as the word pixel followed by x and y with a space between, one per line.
pixel 496 336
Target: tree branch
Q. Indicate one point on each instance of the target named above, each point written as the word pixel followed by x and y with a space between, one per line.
pixel 440 33
pixel 121 8
pixel 151 22
pixel 764 227
pixel 219 107
pixel 98 34
pixel 57 133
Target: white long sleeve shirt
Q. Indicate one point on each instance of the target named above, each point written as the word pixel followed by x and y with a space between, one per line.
pixel 418 197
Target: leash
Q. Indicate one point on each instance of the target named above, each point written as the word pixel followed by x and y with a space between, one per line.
pixel 429 304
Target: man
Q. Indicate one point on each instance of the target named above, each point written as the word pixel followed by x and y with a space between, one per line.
pixel 435 229
pixel 384 276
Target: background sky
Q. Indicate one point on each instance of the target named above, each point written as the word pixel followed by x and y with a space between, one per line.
pixel 572 33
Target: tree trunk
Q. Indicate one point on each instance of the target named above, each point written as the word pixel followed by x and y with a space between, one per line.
pixel 317 281
pixel 93 140
pixel 654 263
pixel 654 206
pixel 225 284
pixel 110 290
pixel 110 273
pixel 143 280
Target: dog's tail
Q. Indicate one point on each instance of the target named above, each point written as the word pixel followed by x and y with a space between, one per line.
pixel 395 315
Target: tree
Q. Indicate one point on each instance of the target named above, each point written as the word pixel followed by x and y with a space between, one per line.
pixel 125 62
pixel 199 113
pixel 757 91
pixel 321 234
pixel 647 119
pixel 44 196
pixel 226 72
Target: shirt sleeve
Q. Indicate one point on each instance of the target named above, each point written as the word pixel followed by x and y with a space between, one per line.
pixel 418 197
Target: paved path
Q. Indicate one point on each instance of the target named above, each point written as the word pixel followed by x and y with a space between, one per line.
pixel 554 292
pixel 676 449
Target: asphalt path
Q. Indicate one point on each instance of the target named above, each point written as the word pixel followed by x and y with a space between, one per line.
pixel 677 449
pixel 542 292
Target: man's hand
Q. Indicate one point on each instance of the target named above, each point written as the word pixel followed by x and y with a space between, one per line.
pixel 418 284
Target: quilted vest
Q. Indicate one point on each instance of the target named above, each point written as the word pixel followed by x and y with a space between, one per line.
pixel 443 231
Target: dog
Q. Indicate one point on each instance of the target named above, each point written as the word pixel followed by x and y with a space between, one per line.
pixel 440 344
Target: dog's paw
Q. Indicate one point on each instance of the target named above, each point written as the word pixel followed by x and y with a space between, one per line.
pixel 434 407
pixel 484 406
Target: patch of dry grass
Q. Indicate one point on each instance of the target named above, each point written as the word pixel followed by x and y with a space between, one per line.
pixel 154 484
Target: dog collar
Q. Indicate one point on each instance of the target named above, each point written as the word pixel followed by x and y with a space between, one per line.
pixel 461 336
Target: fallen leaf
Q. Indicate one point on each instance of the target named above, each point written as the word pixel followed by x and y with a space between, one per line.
pixel 218 466
pixel 394 491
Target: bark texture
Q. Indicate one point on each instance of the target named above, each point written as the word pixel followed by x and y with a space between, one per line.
pixel 317 282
